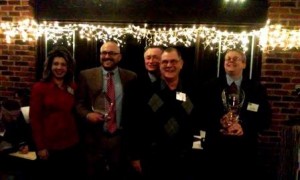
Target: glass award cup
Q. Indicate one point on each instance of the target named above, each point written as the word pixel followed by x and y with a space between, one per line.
pixel 232 104
pixel 103 106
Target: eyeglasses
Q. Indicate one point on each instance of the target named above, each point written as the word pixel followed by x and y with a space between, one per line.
pixel 109 53
pixel 172 62
pixel 235 58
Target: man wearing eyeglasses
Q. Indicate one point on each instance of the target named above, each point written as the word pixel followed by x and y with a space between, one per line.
pixel 166 136
pixel 241 103
pixel 103 139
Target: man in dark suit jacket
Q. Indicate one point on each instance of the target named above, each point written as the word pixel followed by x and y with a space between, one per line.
pixel 233 149
pixel 137 96
pixel 105 153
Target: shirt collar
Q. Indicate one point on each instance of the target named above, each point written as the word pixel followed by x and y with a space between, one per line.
pixel 115 71
pixel 152 77
pixel 230 80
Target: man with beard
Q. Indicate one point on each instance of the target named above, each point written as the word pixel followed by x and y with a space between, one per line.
pixel 99 102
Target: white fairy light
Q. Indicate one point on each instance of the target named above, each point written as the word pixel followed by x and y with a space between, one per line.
pixel 270 36
pixel 234 1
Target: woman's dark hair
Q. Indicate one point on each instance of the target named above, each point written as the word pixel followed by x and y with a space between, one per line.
pixel 11 105
pixel 59 51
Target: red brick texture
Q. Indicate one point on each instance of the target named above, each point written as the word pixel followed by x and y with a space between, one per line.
pixel 17 59
pixel 280 69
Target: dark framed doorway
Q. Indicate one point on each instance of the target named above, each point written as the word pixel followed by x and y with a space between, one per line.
pixel 200 63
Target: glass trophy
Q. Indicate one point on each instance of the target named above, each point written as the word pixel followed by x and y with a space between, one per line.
pixel 232 104
pixel 103 105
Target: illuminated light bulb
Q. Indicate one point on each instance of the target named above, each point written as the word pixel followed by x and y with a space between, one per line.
pixel 270 36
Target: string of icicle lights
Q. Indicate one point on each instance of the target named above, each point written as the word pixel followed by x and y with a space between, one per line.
pixel 270 36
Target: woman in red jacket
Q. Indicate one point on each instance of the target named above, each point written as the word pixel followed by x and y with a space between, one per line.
pixel 52 118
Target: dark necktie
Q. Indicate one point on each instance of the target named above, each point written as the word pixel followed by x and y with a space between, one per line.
pixel 233 89
pixel 111 123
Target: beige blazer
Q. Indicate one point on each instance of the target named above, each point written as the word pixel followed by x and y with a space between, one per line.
pixel 90 89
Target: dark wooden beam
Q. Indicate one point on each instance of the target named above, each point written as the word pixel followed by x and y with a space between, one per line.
pixel 153 11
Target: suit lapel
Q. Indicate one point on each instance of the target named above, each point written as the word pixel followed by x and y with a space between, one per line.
pixel 123 76
pixel 96 81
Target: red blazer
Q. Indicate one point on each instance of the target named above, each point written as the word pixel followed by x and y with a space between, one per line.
pixel 51 116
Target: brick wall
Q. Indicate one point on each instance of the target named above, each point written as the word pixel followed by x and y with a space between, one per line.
pixel 280 74
pixel 17 59
pixel 280 70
